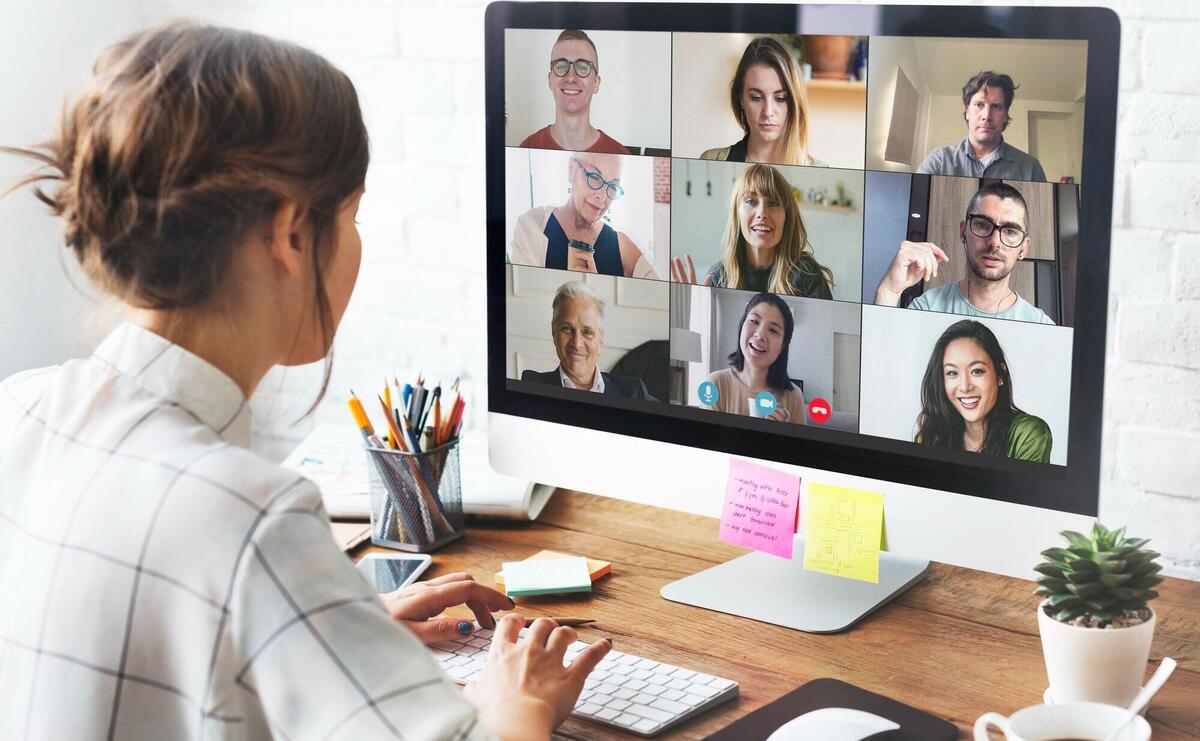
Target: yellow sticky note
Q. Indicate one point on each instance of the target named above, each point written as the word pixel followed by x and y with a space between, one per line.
pixel 843 532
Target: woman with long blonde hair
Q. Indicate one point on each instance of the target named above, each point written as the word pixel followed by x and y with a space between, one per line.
pixel 770 103
pixel 765 247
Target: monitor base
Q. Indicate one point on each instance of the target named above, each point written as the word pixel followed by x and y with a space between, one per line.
pixel 770 589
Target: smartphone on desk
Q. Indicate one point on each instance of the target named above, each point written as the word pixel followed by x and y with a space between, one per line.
pixel 391 571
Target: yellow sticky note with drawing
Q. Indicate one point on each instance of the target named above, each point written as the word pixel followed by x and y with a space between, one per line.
pixel 843 532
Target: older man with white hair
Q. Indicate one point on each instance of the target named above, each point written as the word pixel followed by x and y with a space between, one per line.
pixel 577 330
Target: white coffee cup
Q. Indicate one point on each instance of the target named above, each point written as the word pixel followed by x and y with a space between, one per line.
pixel 1077 720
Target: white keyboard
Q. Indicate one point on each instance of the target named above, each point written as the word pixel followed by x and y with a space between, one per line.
pixel 624 691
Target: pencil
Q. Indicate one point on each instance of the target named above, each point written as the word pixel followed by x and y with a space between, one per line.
pixel 395 440
pixel 567 621
pixel 360 417
pixel 438 437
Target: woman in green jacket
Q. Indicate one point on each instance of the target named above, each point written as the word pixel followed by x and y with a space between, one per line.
pixel 967 399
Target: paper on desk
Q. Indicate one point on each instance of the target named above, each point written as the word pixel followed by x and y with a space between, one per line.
pixel 761 506
pixel 546 576
pixel 844 532
pixel 332 457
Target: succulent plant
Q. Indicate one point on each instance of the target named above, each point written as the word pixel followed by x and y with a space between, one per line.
pixel 1101 577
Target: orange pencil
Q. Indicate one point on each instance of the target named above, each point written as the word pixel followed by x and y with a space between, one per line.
pixel 387 396
pixel 437 420
pixel 361 420
pixel 395 442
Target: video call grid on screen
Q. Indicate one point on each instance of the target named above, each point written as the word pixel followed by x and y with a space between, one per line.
pixel 892 125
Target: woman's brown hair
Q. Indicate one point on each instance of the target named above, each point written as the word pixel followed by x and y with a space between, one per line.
pixel 187 137
pixel 770 52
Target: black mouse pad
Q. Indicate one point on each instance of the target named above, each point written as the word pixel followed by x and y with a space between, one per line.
pixel 915 725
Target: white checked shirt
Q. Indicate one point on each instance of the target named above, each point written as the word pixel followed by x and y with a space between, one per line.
pixel 160 581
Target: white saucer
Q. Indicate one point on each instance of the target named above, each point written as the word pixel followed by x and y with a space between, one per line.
pixel 1048 699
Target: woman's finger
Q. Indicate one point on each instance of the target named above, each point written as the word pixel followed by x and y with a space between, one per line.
pixel 539 632
pixel 447 578
pixel 443 629
pixel 560 638
pixel 676 270
pixel 434 599
pixel 508 630
pixel 587 660
pixel 691 269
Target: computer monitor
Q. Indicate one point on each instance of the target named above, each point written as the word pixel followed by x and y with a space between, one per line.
pixel 868 244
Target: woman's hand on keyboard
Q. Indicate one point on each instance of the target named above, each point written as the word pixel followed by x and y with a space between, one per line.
pixel 524 691
pixel 415 604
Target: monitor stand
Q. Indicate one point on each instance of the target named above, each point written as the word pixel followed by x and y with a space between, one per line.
pixel 774 590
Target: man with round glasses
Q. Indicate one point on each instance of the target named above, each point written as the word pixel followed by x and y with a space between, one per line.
pixel 577 235
pixel 574 77
pixel 995 236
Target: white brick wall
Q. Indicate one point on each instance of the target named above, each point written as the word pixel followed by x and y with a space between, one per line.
pixel 420 304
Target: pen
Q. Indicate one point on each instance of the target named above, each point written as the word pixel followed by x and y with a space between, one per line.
pixel 438 438
pixel 437 392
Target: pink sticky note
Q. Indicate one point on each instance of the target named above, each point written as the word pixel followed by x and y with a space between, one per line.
pixel 761 507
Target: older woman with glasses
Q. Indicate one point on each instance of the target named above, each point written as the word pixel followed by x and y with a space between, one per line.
pixel 575 236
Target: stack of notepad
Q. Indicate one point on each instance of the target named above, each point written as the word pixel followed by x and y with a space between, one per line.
pixel 548 572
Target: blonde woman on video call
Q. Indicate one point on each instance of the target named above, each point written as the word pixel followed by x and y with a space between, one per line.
pixel 765 246
pixel 770 104
pixel 159 579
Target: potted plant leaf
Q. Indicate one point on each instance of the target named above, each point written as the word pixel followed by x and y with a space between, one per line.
pixel 1095 619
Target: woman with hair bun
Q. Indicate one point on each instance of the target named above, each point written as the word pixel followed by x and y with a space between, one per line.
pixel 159 580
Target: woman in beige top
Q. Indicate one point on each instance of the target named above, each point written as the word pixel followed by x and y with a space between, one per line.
pixel 759 363
pixel 770 103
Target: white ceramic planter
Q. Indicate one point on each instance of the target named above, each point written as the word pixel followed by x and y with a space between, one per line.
pixel 1093 664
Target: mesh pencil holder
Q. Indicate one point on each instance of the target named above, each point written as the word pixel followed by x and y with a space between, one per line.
pixel 416 498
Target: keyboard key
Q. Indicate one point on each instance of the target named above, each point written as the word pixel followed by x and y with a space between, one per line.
pixel 479 643
pixel 658 679
pixel 635 685
pixel 617 680
pixel 692 700
pixel 670 694
pixel 702 678
pixel 623 669
pixel 624 694
pixel 721 684
pixel 459 672
pixel 629 660
pixel 679 684
pixel 704 690
pixel 684 673
pixel 648 664
pixel 627 719
pixel 619 704
pixel 654 689
pixel 645 725
pixel 642 698
pixel 641 674
pixel 671 707
pixel 607 689
pixel 648 712
pixel 608 714
pixel 588 709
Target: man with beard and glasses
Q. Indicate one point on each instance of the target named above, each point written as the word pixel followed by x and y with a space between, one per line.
pixel 995 237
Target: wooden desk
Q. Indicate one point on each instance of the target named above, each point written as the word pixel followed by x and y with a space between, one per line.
pixel 958 644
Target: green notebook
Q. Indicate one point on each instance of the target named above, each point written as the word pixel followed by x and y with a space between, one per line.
pixel 546 576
